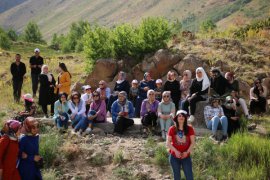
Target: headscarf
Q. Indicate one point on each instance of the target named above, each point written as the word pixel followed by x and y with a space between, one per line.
pixel 28 124
pixel 204 78
pixel 13 127
pixel 122 75
pixel 125 95
pixel 166 93
pixel 145 75
pixel 47 74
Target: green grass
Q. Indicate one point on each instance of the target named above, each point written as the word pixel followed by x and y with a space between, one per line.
pixel 118 157
pixel 50 174
pixel 161 156
pixel 123 173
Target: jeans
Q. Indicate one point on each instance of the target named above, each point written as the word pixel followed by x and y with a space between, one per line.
pixel 17 87
pixel 216 123
pixel 165 124
pixel 176 164
pixel 82 124
pixel 34 78
pixel 76 120
pixel 62 123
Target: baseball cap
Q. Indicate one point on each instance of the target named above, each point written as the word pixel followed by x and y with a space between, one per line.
pixel 36 50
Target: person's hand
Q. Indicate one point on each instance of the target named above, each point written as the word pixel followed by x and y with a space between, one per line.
pixel 37 158
pixel 177 154
pixel 24 155
pixel 34 66
pixel 121 113
pixel 146 88
pixel 234 118
pixel 59 85
pixel 39 66
pixel 72 116
pixel 184 155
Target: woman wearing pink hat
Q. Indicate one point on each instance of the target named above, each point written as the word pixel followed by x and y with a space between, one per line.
pixel 30 108
pixel 9 150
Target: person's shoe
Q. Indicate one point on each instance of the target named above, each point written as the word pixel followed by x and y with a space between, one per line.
pixel 249 117
pixel 191 119
pixel 213 138
pixel 252 126
pixel 163 135
pixel 224 138
pixel 88 130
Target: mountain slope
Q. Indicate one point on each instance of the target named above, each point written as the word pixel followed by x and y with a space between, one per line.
pixel 55 16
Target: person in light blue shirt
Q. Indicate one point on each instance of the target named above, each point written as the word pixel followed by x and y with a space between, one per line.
pixel 61 108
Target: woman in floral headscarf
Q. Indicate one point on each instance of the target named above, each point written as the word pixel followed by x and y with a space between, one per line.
pixel 9 150
pixel 29 158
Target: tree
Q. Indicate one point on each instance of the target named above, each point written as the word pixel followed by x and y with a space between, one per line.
pixel 208 26
pixel 12 35
pixel 4 40
pixel 32 33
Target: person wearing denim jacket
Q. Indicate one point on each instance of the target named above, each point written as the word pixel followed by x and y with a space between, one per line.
pixel 77 108
pixel 61 108
pixel 122 112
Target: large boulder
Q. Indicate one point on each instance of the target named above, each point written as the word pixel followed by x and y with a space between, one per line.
pixel 190 62
pixel 159 64
pixel 137 72
pixel 105 69
pixel 244 89
pixel 199 121
pixel 266 83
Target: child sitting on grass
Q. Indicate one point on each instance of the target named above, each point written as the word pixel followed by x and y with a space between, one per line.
pixel 30 108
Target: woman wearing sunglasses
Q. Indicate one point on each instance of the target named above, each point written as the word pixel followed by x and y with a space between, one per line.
pixel 181 141
pixel 166 111
pixel 258 95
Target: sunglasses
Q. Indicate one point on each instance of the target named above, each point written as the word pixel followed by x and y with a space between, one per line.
pixel 166 96
pixel 230 102
pixel 185 74
pixel 151 94
pixel 75 97
pixel 95 95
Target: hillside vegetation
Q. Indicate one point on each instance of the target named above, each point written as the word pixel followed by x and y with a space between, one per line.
pixel 55 16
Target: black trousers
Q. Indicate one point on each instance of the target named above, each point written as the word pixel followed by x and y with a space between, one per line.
pixel 34 78
pixel 192 103
pixel 45 109
pixel 17 88
pixel 257 107
pixel 122 124
pixel 149 119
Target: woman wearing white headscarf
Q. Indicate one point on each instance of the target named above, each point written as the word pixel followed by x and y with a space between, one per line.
pixel 198 92
pixel 46 90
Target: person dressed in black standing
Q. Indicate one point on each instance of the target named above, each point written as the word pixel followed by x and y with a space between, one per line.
pixel 18 71
pixel 46 90
pixel 173 86
pixel 36 63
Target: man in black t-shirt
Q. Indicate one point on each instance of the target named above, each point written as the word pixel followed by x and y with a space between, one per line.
pixel 18 71
pixel 36 63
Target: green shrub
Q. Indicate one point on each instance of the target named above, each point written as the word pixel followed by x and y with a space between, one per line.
pixel 208 26
pixel 32 33
pixel 123 173
pixel 118 157
pixel 5 42
pixel 48 147
pixel 49 174
pixel 13 36
pixel 161 156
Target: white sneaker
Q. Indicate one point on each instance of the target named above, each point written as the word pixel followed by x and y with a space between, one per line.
pixel 88 130
pixel 191 119
pixel 249 117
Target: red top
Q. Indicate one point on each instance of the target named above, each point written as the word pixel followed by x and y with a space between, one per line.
pixel 180 143
pixel 9 150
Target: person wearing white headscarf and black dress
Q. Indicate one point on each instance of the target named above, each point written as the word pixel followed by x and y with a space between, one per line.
pixel 198 92
pixel 46 90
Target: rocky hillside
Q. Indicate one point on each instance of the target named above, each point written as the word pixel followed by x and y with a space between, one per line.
pixel 55 16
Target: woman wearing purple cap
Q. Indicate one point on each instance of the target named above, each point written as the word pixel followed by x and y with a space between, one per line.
pixel 9 150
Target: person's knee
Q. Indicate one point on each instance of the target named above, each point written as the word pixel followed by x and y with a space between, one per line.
pixel 223 119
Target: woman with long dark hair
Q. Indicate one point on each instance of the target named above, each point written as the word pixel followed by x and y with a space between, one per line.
pixel 181 141
pixel 64 80
pixel 61 108
pixel 258 95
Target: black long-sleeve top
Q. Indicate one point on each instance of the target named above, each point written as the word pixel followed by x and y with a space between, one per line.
pixel 123 86
pixel 196 87
pixel 174 87
pixel 220 85
pixel 17 71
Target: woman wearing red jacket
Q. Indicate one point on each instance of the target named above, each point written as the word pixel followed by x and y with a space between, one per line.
pixel 9 150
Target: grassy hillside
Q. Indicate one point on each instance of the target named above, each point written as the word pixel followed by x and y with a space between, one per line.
pixel 55 16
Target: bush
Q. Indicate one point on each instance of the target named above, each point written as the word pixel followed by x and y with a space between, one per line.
pixel 32 33
pixel 70 151
pixel 118 157
pixel 12 35
pixel 161 156
pixel 49 174
pixel 208 26
pixel 123 173
pixel 48 148
pixel 4 40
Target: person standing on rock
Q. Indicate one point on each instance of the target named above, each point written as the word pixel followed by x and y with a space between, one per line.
pixel 46 90
pixel 166 112
pixel 64 80
pixel 146 84
pixel 198 92
pixel 122 112
pixel 36 63
pixel 120 85
pixel 181 141
pixel 173 86
pixel 18 71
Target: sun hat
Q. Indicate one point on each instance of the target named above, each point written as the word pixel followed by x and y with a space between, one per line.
pixel 28 97
pixel 134 81
pixel 86 87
